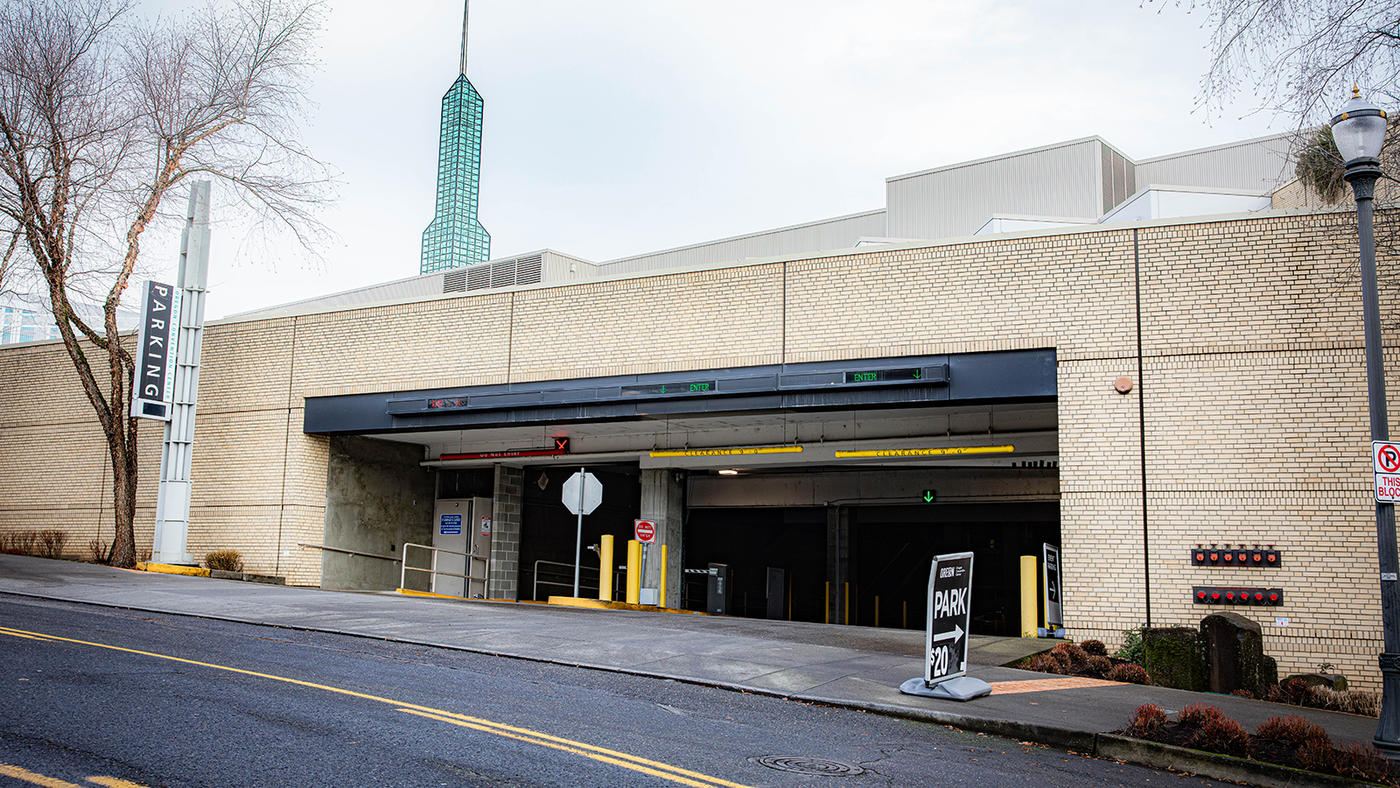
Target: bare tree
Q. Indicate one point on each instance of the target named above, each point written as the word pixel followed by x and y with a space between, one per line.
pixel 1299 57
pixel 102 114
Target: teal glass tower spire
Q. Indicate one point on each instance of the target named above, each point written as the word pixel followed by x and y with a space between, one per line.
pixel 454 238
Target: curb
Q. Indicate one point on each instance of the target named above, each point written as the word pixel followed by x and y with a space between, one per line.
pixel 599 604
pixel 1139 752
pixel 172 569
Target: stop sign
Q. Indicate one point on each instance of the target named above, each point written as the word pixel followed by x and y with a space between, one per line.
pixel 646 531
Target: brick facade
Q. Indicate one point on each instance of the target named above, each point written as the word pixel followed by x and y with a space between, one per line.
pixel 1252 397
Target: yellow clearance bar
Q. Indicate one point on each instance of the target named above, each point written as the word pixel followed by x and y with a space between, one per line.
pixel 737 452
pixel 926 452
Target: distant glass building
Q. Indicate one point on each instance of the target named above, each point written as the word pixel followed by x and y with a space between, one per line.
pixel 454 238
pixel 23 324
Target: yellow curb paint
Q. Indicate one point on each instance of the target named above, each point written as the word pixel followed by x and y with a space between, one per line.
pixel 431 595
pixel 599 604
pixel 33 778
pixel 173 569
pixel 1047 685
pixel 669 772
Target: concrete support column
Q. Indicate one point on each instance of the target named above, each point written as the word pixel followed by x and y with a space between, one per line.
pixel 505 533
pixel 663 501
pixel 838 562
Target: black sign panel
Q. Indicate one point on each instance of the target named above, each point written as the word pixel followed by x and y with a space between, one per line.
pixel 949 615
pixel 154 357
pixel 1054 618
pixel 679 387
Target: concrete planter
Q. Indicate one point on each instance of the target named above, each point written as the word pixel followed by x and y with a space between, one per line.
pixel 1209 764
pixel 221 574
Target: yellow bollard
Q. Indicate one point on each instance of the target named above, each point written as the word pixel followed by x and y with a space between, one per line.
pixel 1028 596
pixel 846 613
pixel 826 603
pixel 662 596
pixel 634 571
pixel 605 571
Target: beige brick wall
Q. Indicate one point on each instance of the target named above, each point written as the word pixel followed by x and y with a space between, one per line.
pixel 1252 385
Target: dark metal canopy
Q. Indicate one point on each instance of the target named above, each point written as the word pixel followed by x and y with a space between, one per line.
pixel 900 380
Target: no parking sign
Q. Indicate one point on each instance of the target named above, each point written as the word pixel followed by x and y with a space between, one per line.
pixel 1385 461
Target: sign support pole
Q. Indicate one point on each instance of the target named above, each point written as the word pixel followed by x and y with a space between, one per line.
pixel 173 495
pixel 578 543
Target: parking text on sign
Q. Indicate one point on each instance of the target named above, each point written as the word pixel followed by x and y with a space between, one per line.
pixel 1387 487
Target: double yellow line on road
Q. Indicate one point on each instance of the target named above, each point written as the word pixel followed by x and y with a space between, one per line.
pixel 635 763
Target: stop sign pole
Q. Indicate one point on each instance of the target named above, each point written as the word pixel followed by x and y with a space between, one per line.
pixel 578 541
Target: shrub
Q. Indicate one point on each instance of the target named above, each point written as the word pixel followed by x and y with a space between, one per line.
pixel 1300 693
pixel 1361 762
pixel 1129 673
pixel 1221 734
pixel 1098 666
pixel 1132 649
pixel 1316 755
pixel 1243 693
pixel 1291 731
pixel 1044 663
pixel 1070 657
pixel 1198 714
pixel 23 542
pixel 97 551
pixel 1148 722
pixel 1094 648
pixel 1358 702
pixel 226 560
pixel 51 543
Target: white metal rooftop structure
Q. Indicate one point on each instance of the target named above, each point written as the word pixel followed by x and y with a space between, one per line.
pixel 1078 182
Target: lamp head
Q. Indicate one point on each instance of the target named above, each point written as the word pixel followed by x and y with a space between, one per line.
pixel 1359 129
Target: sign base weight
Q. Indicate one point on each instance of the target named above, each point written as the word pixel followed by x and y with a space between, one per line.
pixel 961 688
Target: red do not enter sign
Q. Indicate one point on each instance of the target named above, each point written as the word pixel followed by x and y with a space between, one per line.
pixel 646 531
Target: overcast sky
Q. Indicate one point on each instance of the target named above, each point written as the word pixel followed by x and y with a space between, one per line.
pixel 618 127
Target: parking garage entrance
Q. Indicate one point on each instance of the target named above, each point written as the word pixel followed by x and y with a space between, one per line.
pixel 866 562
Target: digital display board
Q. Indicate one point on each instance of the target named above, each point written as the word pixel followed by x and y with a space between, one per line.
pixel 680 387
pixel 884 375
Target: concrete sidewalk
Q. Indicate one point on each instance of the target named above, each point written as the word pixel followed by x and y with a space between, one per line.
pixel 856 667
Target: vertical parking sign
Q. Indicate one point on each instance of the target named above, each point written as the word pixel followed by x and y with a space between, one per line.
pixel 153 384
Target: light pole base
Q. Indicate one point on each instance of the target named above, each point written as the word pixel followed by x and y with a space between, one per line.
pixel 1387 738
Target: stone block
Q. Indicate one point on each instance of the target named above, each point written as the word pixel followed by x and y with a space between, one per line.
pixel 1234 649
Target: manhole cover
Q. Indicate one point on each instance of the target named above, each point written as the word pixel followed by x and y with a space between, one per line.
pixel 817 766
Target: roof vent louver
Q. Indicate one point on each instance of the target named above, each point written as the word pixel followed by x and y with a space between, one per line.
pixel 454 281
pixel 528 270
pixel 478 277
pixel 503 273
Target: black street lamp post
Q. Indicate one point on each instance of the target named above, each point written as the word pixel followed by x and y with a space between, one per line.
pixel 1359 130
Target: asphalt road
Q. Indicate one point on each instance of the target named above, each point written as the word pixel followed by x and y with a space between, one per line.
pixel 97 696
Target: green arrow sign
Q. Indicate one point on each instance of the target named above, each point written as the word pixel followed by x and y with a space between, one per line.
pixel 928 496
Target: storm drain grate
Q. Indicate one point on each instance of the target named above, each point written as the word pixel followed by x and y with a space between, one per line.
pixel 815 766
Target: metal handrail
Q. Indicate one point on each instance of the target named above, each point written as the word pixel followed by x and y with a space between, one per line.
pixel 348 552
pixel 535 591
pixel 433 571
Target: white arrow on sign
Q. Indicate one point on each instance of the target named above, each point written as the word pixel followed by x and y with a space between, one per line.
pixel 592 492
pixel 953 636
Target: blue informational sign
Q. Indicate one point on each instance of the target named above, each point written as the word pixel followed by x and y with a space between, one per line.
pixel 450 525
